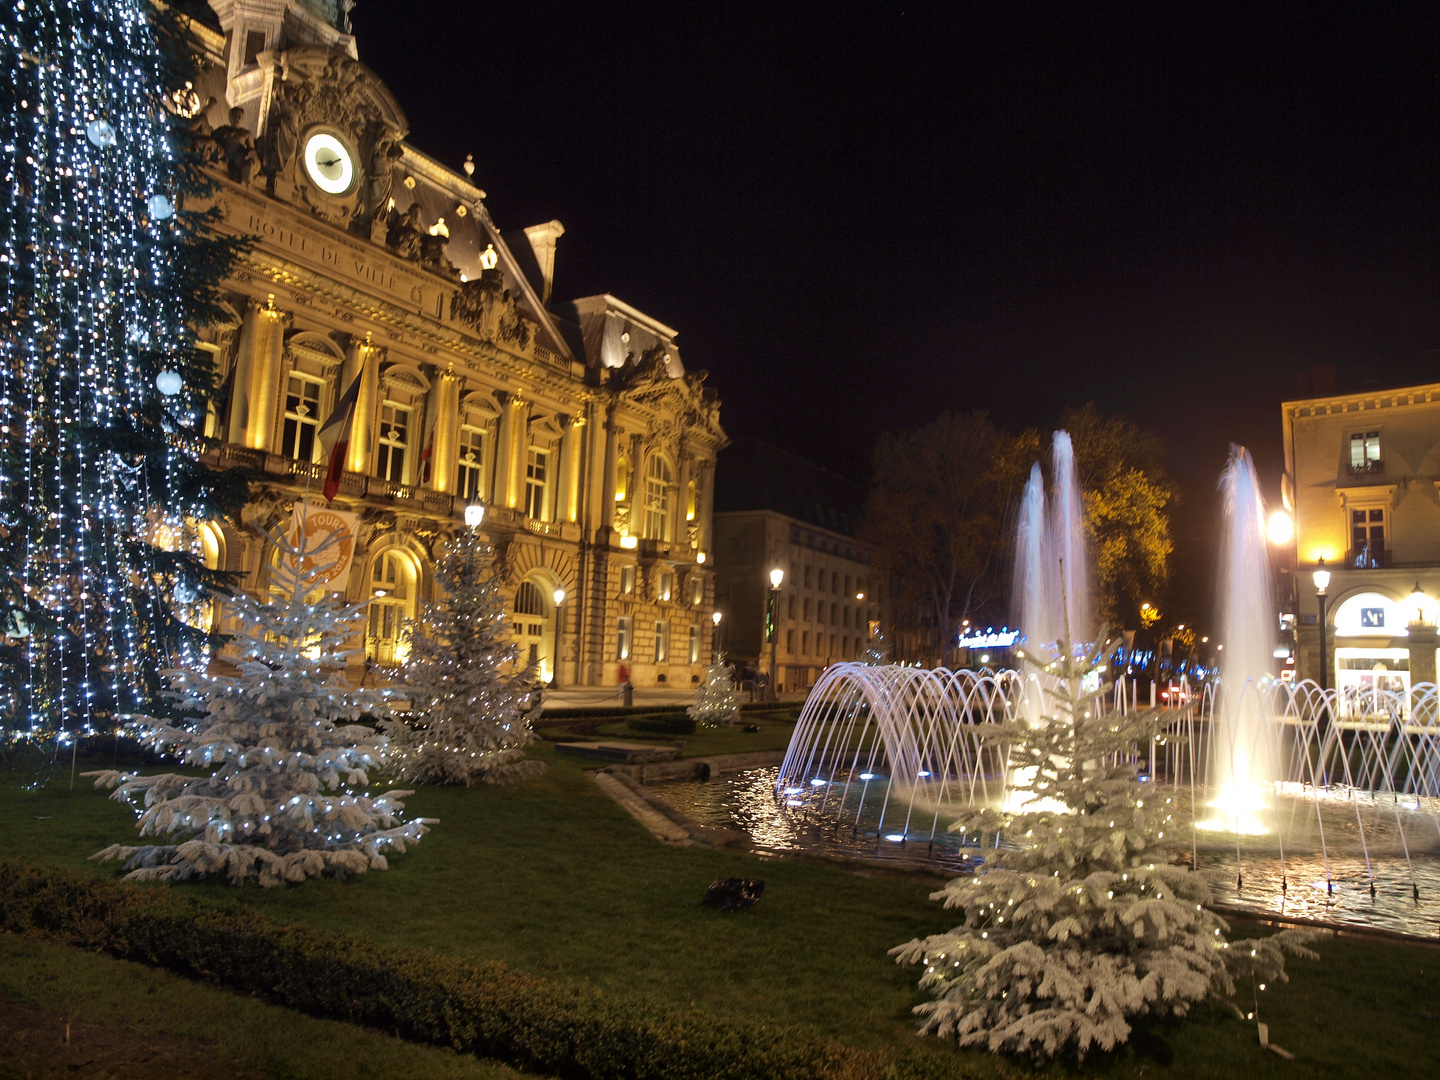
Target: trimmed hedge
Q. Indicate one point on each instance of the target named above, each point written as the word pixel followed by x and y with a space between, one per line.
pixel 474 1007
pixel 664 724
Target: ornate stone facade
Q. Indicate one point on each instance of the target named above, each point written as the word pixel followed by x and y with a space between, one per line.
pixel 575 424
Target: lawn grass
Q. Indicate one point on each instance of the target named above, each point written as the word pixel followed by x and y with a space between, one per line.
pixel 232 1035
pixel 555 879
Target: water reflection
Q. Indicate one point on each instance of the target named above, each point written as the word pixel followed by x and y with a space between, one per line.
pixel 1400 837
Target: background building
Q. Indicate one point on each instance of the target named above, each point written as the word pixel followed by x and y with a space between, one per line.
pixel 778 511
pixel 576 424
pixel 1362 473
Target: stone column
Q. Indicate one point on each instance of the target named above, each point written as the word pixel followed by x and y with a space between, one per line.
pixel 567 505
pixel 1422 652
pixel 262 344
pixel 606 517
pixel 366 357
pixel 444 407
pixel 681 530
pixel 706 510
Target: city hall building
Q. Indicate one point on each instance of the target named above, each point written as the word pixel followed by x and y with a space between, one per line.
pixel 1362 478
pixel 576 425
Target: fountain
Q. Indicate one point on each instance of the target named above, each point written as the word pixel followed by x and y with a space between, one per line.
pixel 1303 802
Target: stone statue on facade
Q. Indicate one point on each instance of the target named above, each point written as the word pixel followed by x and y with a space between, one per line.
pixel 404 234
pixel 237 146
pixel 282 135
pixel 379 184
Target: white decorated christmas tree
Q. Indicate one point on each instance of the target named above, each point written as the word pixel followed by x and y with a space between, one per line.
pixel 719 701
pixel 1078 922
pixel 469 721
pixel 285 791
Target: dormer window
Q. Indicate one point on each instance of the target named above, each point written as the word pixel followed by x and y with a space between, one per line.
pixel 1365 452
pixel 254 46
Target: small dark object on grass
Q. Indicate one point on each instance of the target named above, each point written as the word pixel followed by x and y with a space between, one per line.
pixel 751 727
pixel 733 893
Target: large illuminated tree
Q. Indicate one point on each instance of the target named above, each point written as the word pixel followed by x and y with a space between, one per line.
pixel 104 273
pixel 1079 922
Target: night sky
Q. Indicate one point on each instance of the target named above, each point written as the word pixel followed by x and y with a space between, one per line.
pixel 860 215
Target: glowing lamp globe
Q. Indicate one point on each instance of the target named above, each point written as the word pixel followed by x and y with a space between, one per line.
pixel 715 617
pixel 776 577
pixel 1321 577
pixel 474 515
pixel 169 383
pixel 559 596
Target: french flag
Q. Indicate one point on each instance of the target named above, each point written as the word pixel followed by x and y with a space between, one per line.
pixel 334 435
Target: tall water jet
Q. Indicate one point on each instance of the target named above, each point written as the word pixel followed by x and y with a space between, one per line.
pixel 1243 766
pixel 1067 539
pixel 1052 579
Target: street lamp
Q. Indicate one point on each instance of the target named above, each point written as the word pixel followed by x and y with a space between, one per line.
pixel 772 620
pixel 474 515
pixel 1321 577
pixel 559 596
pixel 715 637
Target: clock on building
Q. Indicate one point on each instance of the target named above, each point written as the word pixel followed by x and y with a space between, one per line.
pixel 330 163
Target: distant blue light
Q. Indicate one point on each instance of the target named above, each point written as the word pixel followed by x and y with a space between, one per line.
pixel 817 782
pixel 922 772
pixel 867 776
pixel 895 837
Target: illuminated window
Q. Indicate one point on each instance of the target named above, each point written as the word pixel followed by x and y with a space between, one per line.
pixel 1367 537
pixel 302 418
pixel 662 642
pixel 394 441
pixel 1365 451
pixel 472 463
pixel 537 471
pixel 690 501
pixel 694 644
pixel 657 498
pixel 627 580
pixel 697 590
pixel 392 601
pixel 622 638
pixel 667 586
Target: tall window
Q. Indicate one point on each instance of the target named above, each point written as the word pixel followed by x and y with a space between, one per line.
pixel 790 606
pixel 531 610
pixel 667 586
pixel 657 498
pixel 472 463
pixel 790 642
pixel 697 590
pixel 1365 452
pixel 622 638
pixel 805 641
pixel 1367 538
pixel 302 417
pixel 627 580
pixel 622 478
pixel 537 472
pixel 392 582
pixel 694 644
pixel 690 501
pixel 394 441
pixel 662 642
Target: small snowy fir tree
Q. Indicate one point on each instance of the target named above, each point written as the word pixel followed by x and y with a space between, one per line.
pixel 284 798
pixel 470 720
pixel 1078 921
pixel 719 702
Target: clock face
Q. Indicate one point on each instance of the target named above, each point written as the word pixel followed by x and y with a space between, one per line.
pixel 329 163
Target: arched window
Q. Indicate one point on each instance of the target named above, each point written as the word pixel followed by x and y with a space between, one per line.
pixel 533 629
pixel 690 501
pixel 472 462
pixel 622 478
pixel 393 578
pixel 658 478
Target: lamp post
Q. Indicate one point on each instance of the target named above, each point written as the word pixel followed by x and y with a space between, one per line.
pixel 772 624
pixel 1321 577
pixel 559 597
pixel 715 638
